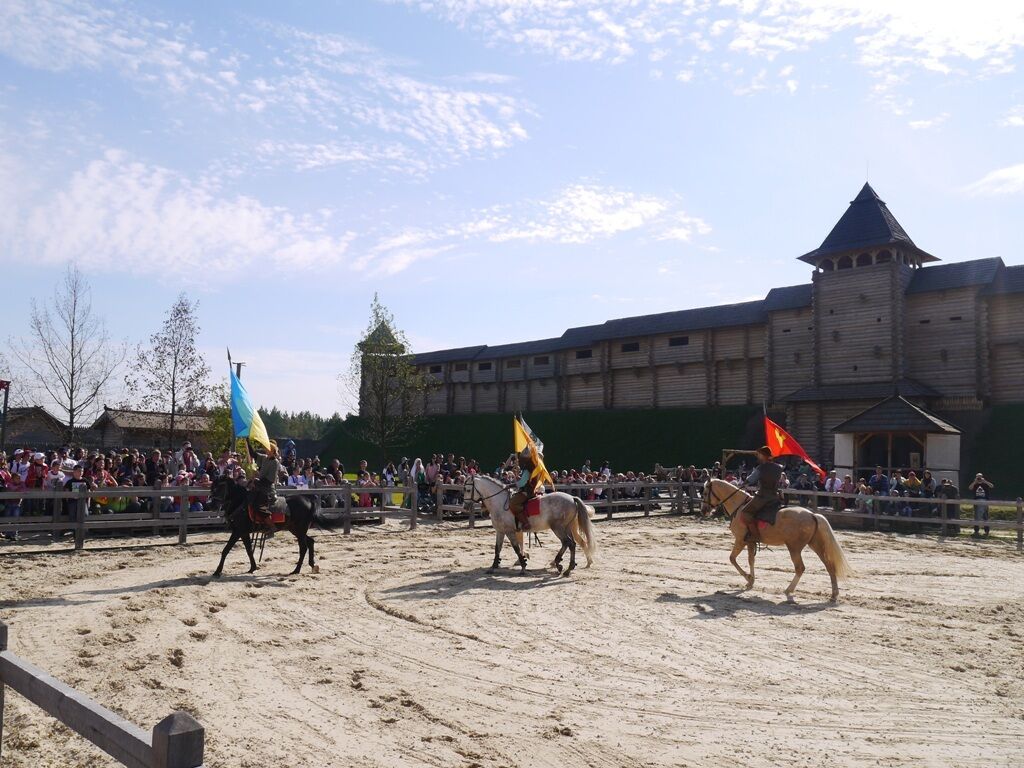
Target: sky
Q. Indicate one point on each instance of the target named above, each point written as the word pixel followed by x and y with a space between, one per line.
pixel 496 170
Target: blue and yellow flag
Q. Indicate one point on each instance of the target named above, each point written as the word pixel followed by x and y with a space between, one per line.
pixel 244 416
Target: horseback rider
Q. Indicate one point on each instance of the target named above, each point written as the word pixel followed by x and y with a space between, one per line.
pixel 527 489
pixel 766 476
pixel 263 491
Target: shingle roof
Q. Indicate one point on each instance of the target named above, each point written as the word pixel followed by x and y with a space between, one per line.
pixel 447 355
pixel 961 274
pixel 685 320
pixel 521 348
pixel 1007 280
pixel 790 297
pixel 866 391
pixel 894 414
pixel 866 223
pixel 154 420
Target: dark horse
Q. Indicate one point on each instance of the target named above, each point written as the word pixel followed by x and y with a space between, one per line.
pixel 233 499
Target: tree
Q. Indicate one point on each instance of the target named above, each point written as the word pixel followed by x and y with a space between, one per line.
pixel 391 388
pixel 67 352
pixel 171 375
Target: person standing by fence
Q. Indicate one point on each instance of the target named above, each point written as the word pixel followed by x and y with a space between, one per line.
pixel 980 488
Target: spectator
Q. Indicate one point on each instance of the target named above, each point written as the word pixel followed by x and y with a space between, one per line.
pixel 980 487
pixel 951 511
pixel 834 485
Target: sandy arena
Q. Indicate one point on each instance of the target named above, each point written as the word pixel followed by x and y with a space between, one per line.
pixel 403 652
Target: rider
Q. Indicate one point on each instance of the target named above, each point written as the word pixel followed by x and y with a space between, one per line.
pixel 527 489
pixel 766 477
pixel 263 493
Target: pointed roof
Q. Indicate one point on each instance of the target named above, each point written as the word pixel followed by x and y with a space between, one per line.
pixel 895 414
pixel 380 338
pixel 867 223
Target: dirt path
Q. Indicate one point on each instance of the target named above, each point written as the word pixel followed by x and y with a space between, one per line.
pixel 402 651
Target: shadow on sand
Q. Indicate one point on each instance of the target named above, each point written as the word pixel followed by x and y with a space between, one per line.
pixel 724 605
pixel 438 585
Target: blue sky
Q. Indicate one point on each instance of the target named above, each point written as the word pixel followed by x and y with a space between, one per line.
pixel 498 170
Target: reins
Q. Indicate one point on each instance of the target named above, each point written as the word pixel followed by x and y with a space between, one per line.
pixel 721 502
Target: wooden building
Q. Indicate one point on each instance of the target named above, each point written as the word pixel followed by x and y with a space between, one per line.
pixel 34 427
pixel 878 318
pixel 122 428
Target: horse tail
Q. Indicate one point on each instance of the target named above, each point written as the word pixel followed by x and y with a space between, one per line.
pixel 585 528
pixel 825 543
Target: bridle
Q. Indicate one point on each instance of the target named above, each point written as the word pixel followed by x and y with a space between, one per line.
pixel 721 502
pixel 474 493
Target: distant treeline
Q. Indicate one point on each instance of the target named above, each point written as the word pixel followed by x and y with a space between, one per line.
pixel 301 425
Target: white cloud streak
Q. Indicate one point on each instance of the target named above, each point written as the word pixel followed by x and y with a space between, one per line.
pixel 1004 181
pixel 120 214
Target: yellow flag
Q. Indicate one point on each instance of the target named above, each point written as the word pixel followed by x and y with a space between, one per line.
pixel 523 440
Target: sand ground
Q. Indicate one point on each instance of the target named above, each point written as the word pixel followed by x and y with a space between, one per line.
pixel 403 652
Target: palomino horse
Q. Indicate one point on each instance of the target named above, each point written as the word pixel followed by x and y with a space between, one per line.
pixel 233 499
pixel 566 516
pixel 796 527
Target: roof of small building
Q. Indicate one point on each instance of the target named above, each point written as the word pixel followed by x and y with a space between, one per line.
pixel 153 420
pixel 961 274
pixel 1007 280
pixel 866 223
pixel 864 391
pixel 896 414
pixel 24 412
pixel 790 297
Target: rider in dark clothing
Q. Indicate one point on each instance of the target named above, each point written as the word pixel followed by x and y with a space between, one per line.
pixel 766 476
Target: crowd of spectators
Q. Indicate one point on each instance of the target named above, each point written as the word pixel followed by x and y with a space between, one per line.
pixel 73 469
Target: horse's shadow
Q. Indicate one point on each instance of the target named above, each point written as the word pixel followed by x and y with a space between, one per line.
pixel 725 605
pixel 440 585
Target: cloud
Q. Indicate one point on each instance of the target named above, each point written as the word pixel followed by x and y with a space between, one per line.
pixel 933 122
pixel 344 100
pixel 978 38
pixel 117 213
pixel 579 214
pixel 1014 118
pixel 1004 181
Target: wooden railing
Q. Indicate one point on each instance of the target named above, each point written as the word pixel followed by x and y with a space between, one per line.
pixel 341 504
pixel 177 741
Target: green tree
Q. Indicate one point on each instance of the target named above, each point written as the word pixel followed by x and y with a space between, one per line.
pixel 391 389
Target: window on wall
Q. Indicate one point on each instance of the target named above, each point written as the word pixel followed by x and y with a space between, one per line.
pixel 955 318
pixel 679 341
pixel 483 366
pixel 542 360
pixel 462 366
pixel 513 363
pixel 631 346
pixel 435 369
pixel 864 260
pixel 584 354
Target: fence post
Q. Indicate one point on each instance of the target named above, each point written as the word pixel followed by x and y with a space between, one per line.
pixel 472 514
pixel 346 508
pixel 414 507
pixel 3 647
pixel 689 497
pixel 1020 525
pixel 178 742
pixel 82 506
pixel 647 500
pixel 183 520
pixel 438 511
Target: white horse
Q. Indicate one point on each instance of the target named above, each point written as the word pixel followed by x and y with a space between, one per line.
pixel 566 516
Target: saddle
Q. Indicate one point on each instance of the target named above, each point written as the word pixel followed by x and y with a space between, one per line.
pixel 767 514
pixel 533 507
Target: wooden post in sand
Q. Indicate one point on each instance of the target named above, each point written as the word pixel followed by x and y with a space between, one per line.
pixel 178 742
pixel 1020 524
pixel 3 647
pixel 346 509
pixel 414 506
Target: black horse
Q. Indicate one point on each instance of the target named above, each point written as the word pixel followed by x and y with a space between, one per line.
pixel 233 499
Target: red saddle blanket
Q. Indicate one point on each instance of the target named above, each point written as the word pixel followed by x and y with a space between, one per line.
pixel 275 517
pixel 533 507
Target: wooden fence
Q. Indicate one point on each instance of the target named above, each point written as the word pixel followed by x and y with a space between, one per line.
pixel 177 741
pixel 346 503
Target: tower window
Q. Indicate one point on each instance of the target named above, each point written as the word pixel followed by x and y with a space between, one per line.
pixel 679 341
pixel 513 363
pixel 584 354
pixel 435 369
pixel 483 366
pixel 846 262
pixel 864 260
pixel 630 346
pixel 542 360
pixel 462 366
pixel 955 318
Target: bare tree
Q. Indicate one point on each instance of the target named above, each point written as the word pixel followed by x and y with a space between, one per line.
pixel 171 375
pixel 391 388
pixel 68 353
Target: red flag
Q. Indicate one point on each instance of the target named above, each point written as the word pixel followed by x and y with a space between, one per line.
pixel 782 443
